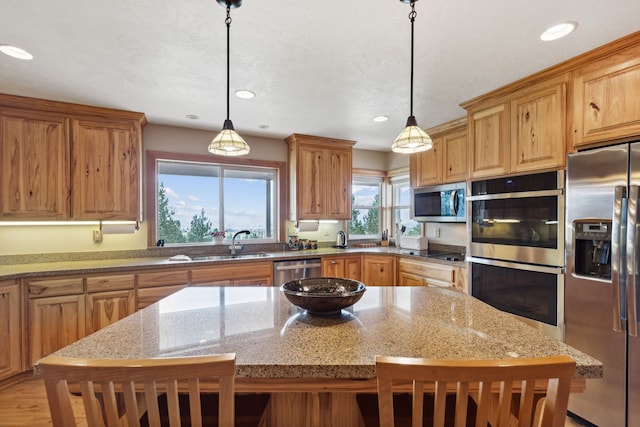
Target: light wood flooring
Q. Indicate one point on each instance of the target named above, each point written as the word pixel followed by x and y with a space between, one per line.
pixel 25 405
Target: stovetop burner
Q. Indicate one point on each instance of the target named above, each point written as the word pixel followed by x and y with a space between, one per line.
pixel 447 256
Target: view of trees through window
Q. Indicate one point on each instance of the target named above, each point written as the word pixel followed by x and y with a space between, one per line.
pixel 195 203
pixel 365 211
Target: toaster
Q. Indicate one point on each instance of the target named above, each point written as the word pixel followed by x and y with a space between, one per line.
pixel 418 243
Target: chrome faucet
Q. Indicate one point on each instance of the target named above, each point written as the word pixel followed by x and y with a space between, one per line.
pixel 233 241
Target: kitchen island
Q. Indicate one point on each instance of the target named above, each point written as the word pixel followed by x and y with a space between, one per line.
pixel 312 365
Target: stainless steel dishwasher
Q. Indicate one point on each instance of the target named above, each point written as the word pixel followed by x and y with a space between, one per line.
pixel 286 271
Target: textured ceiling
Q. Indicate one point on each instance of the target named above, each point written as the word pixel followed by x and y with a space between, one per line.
pixel 322 67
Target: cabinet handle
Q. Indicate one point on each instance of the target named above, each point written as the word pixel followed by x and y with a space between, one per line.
pixel 36 290
pixel 334 262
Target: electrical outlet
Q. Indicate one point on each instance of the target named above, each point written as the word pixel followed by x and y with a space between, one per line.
pixel 97 236
pixel 436 232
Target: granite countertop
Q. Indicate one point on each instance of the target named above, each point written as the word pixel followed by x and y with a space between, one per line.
pixel 52 264
pixel 274 339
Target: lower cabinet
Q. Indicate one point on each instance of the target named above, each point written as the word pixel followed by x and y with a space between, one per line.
pixel 157 284
pixel 379 270
pixel 10 328
pixel 349 267
pixel 108 299
pixel 412 272
pixel 237 274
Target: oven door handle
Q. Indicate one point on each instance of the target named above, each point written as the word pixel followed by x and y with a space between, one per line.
pixel 632 267
pixel 521 195
pixel 517 265
pixel 616 258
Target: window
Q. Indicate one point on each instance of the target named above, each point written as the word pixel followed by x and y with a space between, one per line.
pixel 402 206
pixel 365 207
pixel 195 197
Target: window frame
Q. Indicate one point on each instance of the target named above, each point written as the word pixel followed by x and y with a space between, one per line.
pixel 151 200
pixel 401 178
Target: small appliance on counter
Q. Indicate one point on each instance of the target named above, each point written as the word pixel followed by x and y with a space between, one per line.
pixel 341 240
pixel 416 243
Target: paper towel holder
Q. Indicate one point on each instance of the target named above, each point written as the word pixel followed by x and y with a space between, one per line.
pixel 116 227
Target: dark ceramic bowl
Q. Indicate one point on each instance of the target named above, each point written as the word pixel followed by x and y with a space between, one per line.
pixel 323 295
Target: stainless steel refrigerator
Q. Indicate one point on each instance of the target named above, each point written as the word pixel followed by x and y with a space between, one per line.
pixel 601 300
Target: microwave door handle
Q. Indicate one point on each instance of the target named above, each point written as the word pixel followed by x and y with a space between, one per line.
pixel 616 259
pixel 453 203
pixel 632 266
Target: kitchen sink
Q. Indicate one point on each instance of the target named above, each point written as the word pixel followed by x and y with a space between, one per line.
pixel 236 256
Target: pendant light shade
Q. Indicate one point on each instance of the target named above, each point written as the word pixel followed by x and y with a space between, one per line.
pixel 228 142
pixel 412 139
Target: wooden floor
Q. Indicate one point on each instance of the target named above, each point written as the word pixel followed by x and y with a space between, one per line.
pixel 25 405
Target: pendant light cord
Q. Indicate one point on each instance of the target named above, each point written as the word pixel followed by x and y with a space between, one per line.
pixel 228 22
pixel 412 18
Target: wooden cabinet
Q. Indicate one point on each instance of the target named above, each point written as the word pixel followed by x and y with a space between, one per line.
pixel 66 161
pixel 108 299
pixel 10 328
pixel 319 177
pixel 236 274
pixel 605 99
pixel 106 170
pixel 378 270
pixel 157 284
pixel 348 266
pixel 34 159
pixel 522 132
pixel 447 161
pixel 56 314
pixel 538 128
pixel 414 272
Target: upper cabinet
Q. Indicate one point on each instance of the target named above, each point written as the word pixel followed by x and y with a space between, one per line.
pixel 319 177
pixel 106 169
pixel 34 159
pixel 605 98
pixel 65 161
pixel 521 132
pixel 446 161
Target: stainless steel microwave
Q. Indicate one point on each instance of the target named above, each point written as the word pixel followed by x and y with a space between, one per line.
pixel 440 203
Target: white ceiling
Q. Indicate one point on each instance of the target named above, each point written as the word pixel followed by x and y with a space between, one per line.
pixel 323 67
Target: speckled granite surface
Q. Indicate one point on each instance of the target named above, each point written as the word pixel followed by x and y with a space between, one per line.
pixel 274 339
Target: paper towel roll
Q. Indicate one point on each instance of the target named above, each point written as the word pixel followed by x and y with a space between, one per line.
pixel 118 228
pixel 307 225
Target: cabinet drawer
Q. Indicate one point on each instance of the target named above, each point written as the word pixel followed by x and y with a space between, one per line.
pixel 40 288
pixel 110 283
pixel 147 296
pixel 163 278
pixel 443 273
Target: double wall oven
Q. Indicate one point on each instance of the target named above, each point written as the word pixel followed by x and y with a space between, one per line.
pixel 516 247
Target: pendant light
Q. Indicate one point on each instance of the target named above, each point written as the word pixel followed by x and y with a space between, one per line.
pixel 228 142
pixel 412 139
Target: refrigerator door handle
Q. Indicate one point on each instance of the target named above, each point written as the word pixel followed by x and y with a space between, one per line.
pixel 616 259
pixel 632 267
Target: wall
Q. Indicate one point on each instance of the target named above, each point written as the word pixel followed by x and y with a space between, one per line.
pixel 35 239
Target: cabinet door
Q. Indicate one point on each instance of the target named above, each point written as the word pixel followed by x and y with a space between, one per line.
pixel 378 270
pixel 34 166
pixel 54 323
pixel 489 142
pixel 605 99
pixel 538 129
pixel 249 274
pixel 10 329
pixel 428 165
pixel 409 279
pixel 338 184
pixel 310 186
pixel 104 308
pixel 353 268
pixel 454 157
pixel 105 170
pixel 333 267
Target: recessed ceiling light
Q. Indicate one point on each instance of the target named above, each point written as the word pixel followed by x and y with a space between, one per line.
pixel 380 119
pixel 245 94
pixel 192 117
pixel 15 52
pixel 558 31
